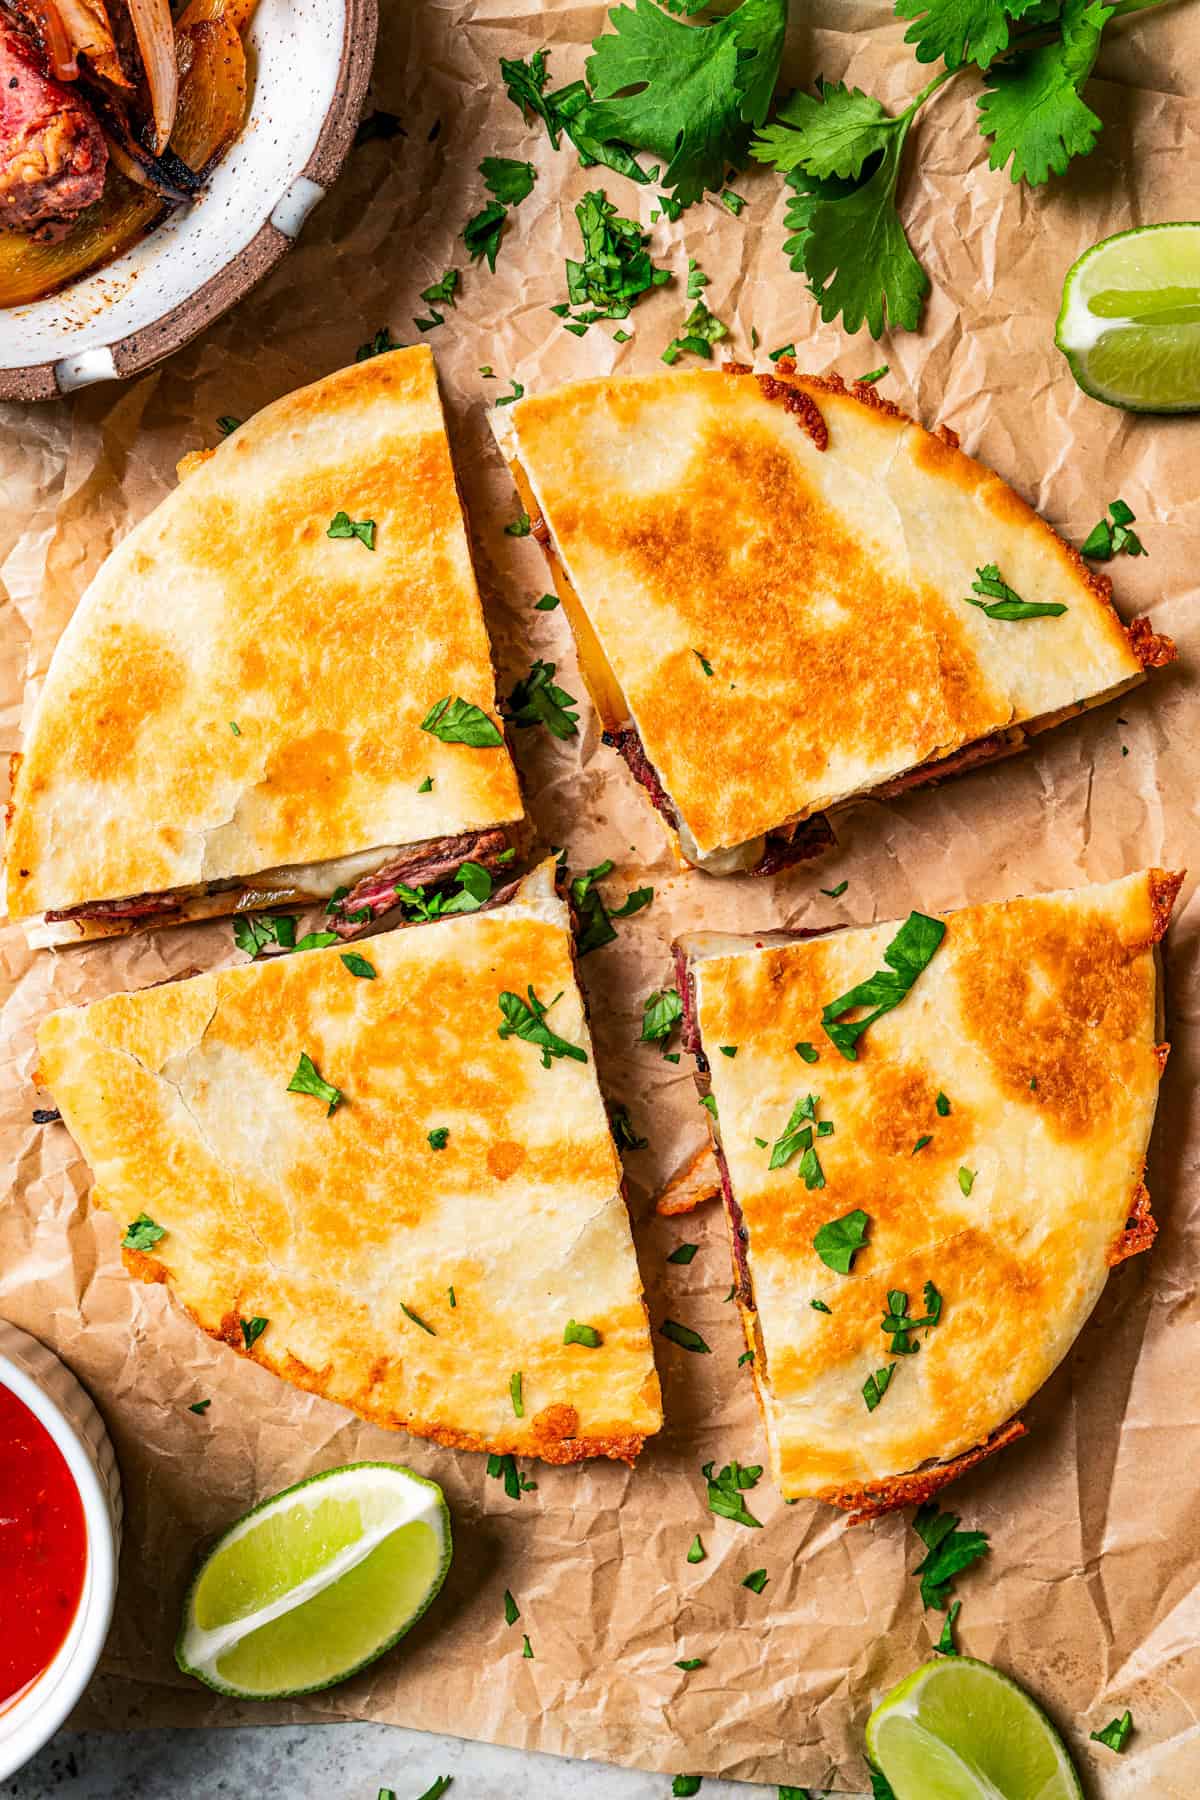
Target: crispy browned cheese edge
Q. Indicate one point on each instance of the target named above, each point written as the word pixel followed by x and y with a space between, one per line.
pixel 696 1181
pixel 895 1491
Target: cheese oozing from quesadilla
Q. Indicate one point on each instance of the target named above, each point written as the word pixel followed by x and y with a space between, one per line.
pixel 943 1209
pixel 233 716
pixel 437 1238
pixel 771 579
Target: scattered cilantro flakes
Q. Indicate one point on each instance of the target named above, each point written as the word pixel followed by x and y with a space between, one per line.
pixel 661 1012
pixel 508 181
pixel 685 93
pixel 709 1103
pixel 942 1106
pixel 457 721
pixel 728 1049
pixel 547 603
pixel 200 1407
pixel 306 1080
pixel 317 940
pixel 696 1551
pixel 783 350
pixel 881 1787
pixel 733 202
pixel 685 1785
pixel 357 965
pixel 417 1319
pixel 235 728
pixel 142 1234
pixel 899 1326
pixel 1111 536
pixel 624 1135
pixel 252 1330
pixel 563 111
pixel 725 1492
pixel 422 905
pixel 808 1053
pixel 512 1611
pixel 876 1386
pixel 946 1644
pixel 909 953
pixel 838 1241
pixel 920 1144
pixel 683 1253
pixel 227 424
pixel 481 234
pixel 797 1135
pixel 439 1137
pixel 1116 1734
pixel 521 526
pixel 697 280
pixel 518 393
pixel 688 1663
pixel 453 1301
pixel 527 1021
pixel 703 661
pixel 966 1180
pixel 587 1335
pixel 949 1552
pixel 535 700
pixel 379 345
pixel 526 1648
pixel 615 270
pixel 999 601
pixel 633 902
pixel 872 376
pixel 820 1306
pixel 747 1356
pixel 756 1581
pixel 504 1468
pixel 701 330
pixel 684 1336
pixel 343 526
pixel 835 893
pixel 487 371
pixel 442 291
pixel 516 1395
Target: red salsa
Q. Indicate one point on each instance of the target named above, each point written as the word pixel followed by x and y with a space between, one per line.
pixel 43 1547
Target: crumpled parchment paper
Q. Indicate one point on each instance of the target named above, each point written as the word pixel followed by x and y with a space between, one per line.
pixel 1091 1593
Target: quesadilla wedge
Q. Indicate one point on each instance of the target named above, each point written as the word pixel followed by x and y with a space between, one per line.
pixel 386 1175
pixel 932 1138
pixel 787 596
pixel 277 686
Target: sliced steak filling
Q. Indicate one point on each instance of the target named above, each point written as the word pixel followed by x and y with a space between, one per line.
pixel 429 865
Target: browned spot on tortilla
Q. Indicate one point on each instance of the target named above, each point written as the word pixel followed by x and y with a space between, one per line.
pixel 504 1158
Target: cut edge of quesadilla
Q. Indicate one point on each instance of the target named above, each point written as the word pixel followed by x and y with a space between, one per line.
pixel 916 1056
pixel 209 754
pixel 548 1392
pixel 807 833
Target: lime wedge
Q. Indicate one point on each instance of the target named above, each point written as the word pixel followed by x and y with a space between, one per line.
pixel 958 1729
pixel 316 1582
pixel 1130 319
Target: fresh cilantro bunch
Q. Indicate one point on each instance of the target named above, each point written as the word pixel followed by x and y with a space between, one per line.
pixel 842 150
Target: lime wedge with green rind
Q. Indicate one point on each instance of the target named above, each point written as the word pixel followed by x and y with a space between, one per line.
pixel 1130 319
pixel 316 1582
pixel 957 1729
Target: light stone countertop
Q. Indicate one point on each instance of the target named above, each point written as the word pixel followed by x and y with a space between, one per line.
pixel 324 1762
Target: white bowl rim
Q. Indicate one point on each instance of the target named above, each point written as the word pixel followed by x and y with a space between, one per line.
pixel 32 1720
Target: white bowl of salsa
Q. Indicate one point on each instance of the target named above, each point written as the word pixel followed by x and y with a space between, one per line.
pixel 60 1534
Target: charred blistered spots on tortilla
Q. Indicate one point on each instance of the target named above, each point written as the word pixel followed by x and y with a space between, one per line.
pixel 504 1158
pixel 307 774
pixel 770 1000
pixel 135 678
pixel 1054 998
pixel 899 1106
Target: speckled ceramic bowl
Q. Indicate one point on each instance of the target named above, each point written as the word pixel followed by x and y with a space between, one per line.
pixel 311 61
pixel 55 1398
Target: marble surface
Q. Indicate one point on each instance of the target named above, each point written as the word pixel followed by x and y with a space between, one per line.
pixel 323 1762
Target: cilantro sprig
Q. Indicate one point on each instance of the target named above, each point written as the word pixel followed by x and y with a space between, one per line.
pixel 725 1492
pixel 909 953
pixel 949 1553
pixel 535 700
pixel 527 1021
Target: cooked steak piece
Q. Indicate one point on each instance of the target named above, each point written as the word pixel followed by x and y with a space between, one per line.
pixel 426 865
pixel 53 155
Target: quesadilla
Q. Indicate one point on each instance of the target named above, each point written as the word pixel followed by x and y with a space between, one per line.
pixel 932 1139
pixel 787 596
pixel 279 684
pixel 386 1174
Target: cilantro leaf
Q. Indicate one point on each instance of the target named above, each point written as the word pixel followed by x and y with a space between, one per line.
pixel 696 1551
pixel 661 1011
pixel 1116 1733
pixel 756 1580
pixel 358 965
pixel 831 132
pixel 876 1386
pixel 512 1611
pixel 957 31
pixel 633 902
pixel 1109 537
pixel 587 1335
pixel 701 330
pixel 910 951
pixel 306 1080
pixel 946 1644
pixel 685 1337
pixel 457 721
pixel 686 93
pixel 726 1489
pixel 797 1133
pixel 525 84
pixel 252 932
pixel 881 1787
pixel 417 1320
pixel 536 701
pixel 950 1551
pixel 624 1135
pixel 252 1330
pixel 594 928
pixel 1033 111
pixel 504 1468
pixel 510 182
pixel 343 526
pixel 999 601
pixel 849 242
pixel 527 1022
pixel 481 234
pixel 838 1241
pixel 142 1234
pixel 441 293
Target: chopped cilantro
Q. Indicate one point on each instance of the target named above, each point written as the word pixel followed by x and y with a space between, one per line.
pixel 507 181
pixel 999 601
pixel 343 526
pixel 696 1551
pixel 661 1012
pixel 728 1049
pixel 876 1386
pixel 733 202
pixel 457 721
pixel 701 330
pixel 481 234
pixel 527 1648
pixel 820 1306
pixel 872 377
pixel 517 1397
pixel 474 886
pixel 547 603
pixel 920 1144
pixel 798 1135
pixel 615 270
pixel 143 1234
pixel 504 1468
pixel 686 1784
pixel 563 111
pixel 703 661
pixel 252 1330
pixel 898 1325
pixel 439 1137
pixel 756 1581
pixel 512 1611
pixel 417 1319
pixel 253 932
pixel 227 424
pixel 632 903
pixel 235 728
pixel 453 1301
pixel 685 1337
pixel 521 526
pixel 838 1241
pixel 442 292
pixel 946 1644
pixel 709 1103
pixel 358 965
pixel 725 1492
pixel 527 1022
pixel 688 1663
pixel 587 1335
pixel 200 1406
pixel 625 1136
pixel 910 952
pixel 783 350
pixel 535 700
pixel 511 399
pixel 1116 1733
pixel 835 893
pixel 747 1356
pixel 317 940
pixel 306 1080
pixel 683 1253
pixel 1112 535
pixel 966 1180
pixel 379 345
pixel 808 1053
pixel 942 1106
pixel 950 1551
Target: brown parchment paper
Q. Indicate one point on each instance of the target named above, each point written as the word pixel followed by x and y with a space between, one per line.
pixel 1091 1593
